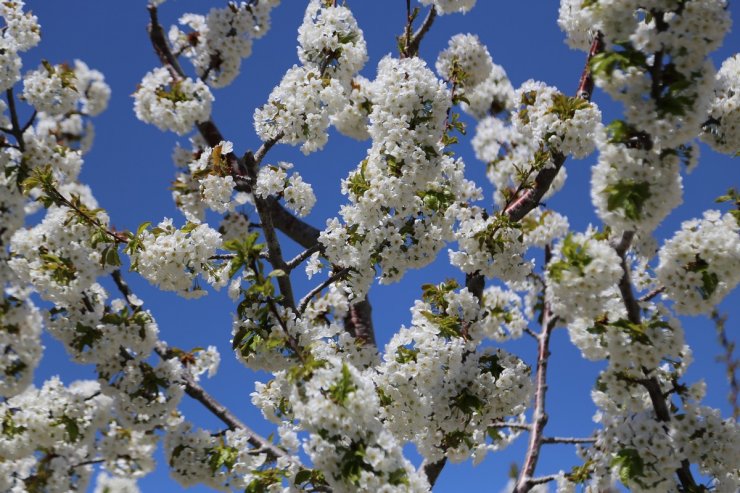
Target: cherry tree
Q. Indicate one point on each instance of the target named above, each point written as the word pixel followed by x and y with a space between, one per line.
pixel 346 410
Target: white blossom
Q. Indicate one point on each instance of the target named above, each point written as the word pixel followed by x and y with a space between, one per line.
pixel 171 104
pixel 700 264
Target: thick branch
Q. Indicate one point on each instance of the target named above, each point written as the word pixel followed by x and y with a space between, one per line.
pixel 433 469
pixel 15 129
pixel 359 322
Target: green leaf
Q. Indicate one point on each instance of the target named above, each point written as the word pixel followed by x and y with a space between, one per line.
pixel 302 476
pixel 628 195
pixel 565 107
pixel 709 279
pixel 630 465
pixel 341 390
pixel 398 477
pixel 70 427
pixel 222 456
pixel 405 355
pixel 574 258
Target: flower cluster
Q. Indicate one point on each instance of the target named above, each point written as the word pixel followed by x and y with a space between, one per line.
pixel 208 183
pixel 353 119
pixel 93 332
pixel 51 89
pixel 198 456
pixel 48 435
pixel 701 263
pixel 491 245
pixel 119 484
pixel 635 189
pixel 219 41
pixel 582 276
pixel 332 49
pixel 466 61
pixel 722 130
pixel 21 32
pixel 441 392
pixel 330 41
pixel 63 254
pixel 404 194
pixel 339 408
pixel 494 95
pixel 450 6
pixel 172 103
pixel 20 342
pixel 545 127
pixel 173 258
pixel 644 452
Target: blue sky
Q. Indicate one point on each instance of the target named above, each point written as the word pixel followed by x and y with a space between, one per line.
pixel 130 169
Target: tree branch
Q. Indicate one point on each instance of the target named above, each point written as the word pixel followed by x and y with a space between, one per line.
pixel 729 360
pixel 195 391
pixel 359 322
pixel 567 440
pixel 413 45
pixel 15 129
pixel 539 415
pixel 433 469
pixel 274 251
pixel 542 480
pixel 531 198
pixel 298 259
pixel 651 383
pixel 297 230
pixel 326 283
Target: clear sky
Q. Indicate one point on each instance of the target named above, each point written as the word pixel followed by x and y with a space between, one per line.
pixel 130 169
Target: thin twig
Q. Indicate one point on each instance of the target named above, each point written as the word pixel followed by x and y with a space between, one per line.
pixel 513 426
pixel 542 480
pixel 326 283
pixel 567 440
pixel 732 363
pixel 652 294
pixel 265 148
pixel 298 259
pixel 413 45
pixel 530 333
